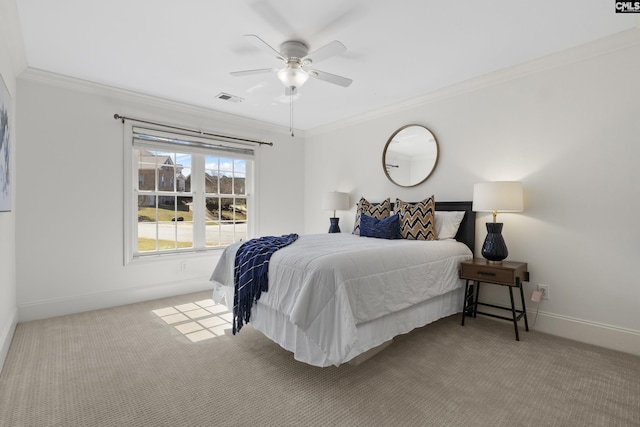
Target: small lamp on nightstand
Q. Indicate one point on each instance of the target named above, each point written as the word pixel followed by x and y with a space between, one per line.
pixel 335 201
pixel 500 196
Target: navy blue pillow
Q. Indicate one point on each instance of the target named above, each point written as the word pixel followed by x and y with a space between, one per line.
pixel 388 228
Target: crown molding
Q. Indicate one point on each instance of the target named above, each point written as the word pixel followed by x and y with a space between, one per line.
pixel 584 52
pixel 11 44
pixel 93 88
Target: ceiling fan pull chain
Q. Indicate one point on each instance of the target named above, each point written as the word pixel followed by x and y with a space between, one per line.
pixel 291 111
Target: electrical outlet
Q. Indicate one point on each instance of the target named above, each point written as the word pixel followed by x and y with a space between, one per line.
pixel 545 291
pixel 183 265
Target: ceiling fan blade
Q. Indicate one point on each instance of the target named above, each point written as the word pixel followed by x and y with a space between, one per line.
pixel 331 49
pixel 273 17
pixel 337 20
pixel 330 78
pixel 271 48
pixel 250 72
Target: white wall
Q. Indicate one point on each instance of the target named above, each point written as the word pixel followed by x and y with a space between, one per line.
pixel 12 62
pixel 568 127
pixel 69 249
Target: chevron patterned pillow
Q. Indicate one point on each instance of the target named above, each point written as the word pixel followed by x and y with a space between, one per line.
pixel 376 210
pixel 417 220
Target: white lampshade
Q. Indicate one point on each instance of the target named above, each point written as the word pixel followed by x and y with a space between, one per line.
pixel 293 76
pixel 335 201
pixel 500 196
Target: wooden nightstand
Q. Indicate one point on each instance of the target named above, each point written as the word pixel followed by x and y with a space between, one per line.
pixel 509 273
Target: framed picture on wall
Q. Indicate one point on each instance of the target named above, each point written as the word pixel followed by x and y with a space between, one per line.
pixel 5 145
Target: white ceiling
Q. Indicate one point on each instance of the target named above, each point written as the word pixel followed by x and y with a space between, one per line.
pixel 184 50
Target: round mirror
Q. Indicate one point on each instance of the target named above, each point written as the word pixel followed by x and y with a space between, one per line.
pixel 410 156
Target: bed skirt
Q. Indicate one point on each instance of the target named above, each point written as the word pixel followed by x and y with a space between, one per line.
pixel 371 334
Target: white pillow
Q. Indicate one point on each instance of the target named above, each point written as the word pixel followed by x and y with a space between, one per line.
pixel 447 223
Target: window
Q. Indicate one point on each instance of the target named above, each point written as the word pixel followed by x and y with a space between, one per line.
pixel 226 200
pixel 189 193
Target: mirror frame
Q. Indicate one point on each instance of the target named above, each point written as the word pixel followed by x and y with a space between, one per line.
pixel 384 155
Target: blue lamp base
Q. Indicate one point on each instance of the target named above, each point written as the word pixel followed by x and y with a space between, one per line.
pixel 334 228
pixel 494 248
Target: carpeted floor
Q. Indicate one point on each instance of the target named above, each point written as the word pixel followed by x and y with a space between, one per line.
pixel 170 363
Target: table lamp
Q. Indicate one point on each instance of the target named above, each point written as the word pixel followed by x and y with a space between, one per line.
pixel 335 201
pixel 494 197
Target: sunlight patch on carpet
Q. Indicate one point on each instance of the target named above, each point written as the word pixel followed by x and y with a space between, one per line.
pixel 198 320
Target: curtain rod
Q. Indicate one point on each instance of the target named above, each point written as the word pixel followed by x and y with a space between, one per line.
pixel 123 118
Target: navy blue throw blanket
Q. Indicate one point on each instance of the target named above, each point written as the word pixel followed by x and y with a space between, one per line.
pixel 251 274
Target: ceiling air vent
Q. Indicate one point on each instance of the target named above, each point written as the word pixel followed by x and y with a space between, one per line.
pixel 228 97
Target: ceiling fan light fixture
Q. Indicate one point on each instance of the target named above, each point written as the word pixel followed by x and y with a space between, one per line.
pixel 293 76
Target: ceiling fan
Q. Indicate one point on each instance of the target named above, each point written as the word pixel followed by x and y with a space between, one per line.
pixel 297 60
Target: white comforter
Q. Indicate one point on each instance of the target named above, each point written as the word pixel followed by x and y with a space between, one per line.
pixel 326 284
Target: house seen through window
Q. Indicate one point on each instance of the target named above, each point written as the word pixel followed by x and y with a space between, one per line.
pixel 188 197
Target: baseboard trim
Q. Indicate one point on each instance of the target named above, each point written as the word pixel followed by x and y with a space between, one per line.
pixel 600 334
pixel 7 336
pixel 62 306
pixel 586 331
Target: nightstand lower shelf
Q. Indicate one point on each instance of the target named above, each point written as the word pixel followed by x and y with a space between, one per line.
pixel 472 290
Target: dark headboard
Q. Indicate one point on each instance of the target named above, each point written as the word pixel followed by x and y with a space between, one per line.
pixel 467 231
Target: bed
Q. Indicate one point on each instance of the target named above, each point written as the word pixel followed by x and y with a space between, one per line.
pixel 333 298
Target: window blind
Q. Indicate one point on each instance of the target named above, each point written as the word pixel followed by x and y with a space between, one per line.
pixel 151 138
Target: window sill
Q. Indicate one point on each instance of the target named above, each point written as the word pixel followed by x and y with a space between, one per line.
pixel 162 257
